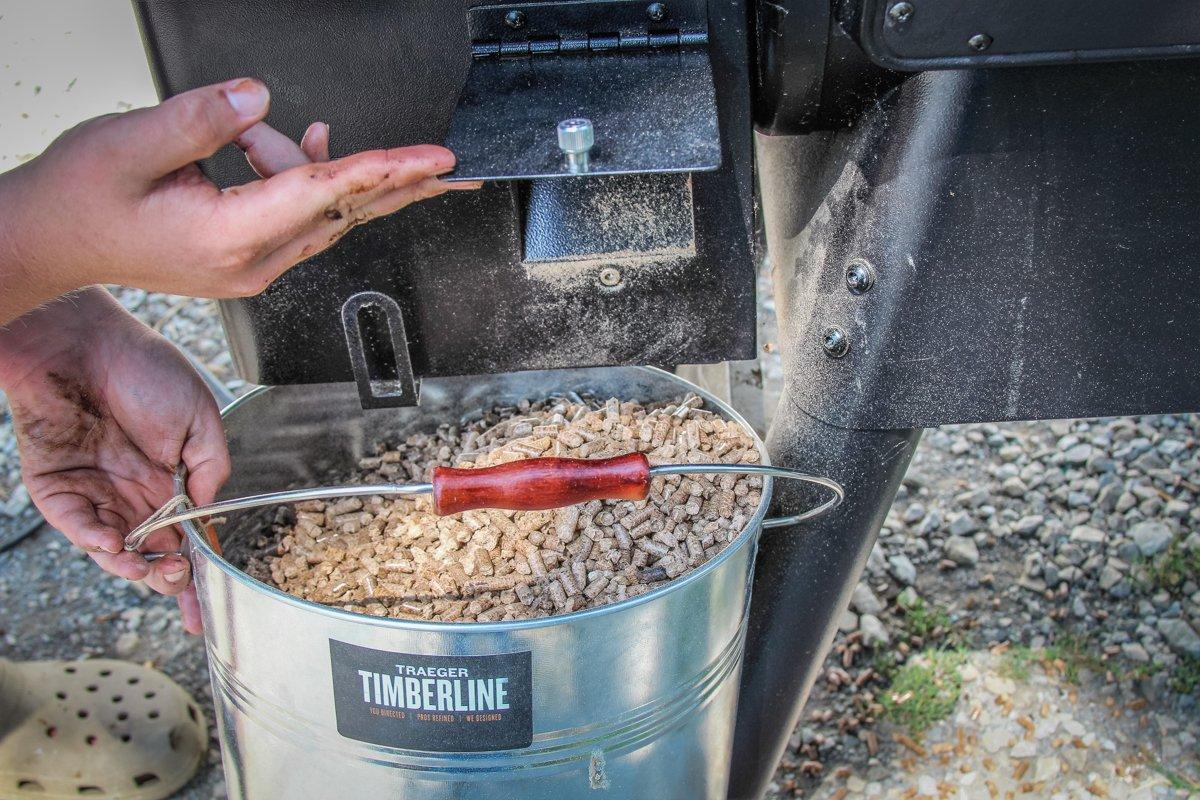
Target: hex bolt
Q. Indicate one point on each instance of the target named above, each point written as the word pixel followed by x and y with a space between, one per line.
pixel 575 139
pixel 657 12
pixel 836 342
pixel 860 277
pixel 610 276
pixel 514 19
pixel 979 42
pixel 901 12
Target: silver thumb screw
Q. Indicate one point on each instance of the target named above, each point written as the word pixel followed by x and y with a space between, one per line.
pixel 575 140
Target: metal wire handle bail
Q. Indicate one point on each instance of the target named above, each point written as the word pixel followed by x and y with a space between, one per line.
pixel 839 493
pixel 169 514
pixel 138 535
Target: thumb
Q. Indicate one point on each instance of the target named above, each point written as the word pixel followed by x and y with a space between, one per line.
pixel 190 126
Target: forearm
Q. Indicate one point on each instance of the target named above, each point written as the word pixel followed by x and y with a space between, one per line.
pixel 26 280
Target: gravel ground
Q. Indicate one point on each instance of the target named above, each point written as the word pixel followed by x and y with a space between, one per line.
pixel 1056 561
pixel 1064 541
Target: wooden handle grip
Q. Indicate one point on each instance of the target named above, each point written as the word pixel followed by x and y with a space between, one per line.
pixel 539 483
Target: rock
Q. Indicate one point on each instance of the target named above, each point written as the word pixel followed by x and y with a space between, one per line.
pixel 1087 535
pixel 998 685
pixel 877 561
pixel 1046 768
pixel 962 525
pixel 914 513
pixel 1127 550
pixel 1135 652
pixel 1151 537
pixel 873 631
pixel 1107 499
pixel 1014 487
pixel 994 740
pixel 127 644
pixel 848 622
pixel 973 498
pixel 1010 452
pixel 902 569
pixel 1177 508
pixel 1110 576
pixel 962 551
pixel 1180 636
pixel 908 597
pixel 1077 455
pixel 1023 749
pixel 864 601
pixel 1070 554
pixel 1028 526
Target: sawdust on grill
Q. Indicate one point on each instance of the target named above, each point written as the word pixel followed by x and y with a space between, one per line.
pixel 395 558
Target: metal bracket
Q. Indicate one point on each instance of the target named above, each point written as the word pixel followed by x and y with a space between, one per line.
pixel 639 73
pixel 379 356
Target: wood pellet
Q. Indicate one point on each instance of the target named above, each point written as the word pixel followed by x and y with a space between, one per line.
pixel 395 558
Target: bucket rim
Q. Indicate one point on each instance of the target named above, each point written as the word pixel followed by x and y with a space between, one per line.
pixel 748 537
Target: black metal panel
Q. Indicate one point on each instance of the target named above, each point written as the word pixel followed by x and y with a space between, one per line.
pixel 652 110
pixel 803 578
pixel 1033 234
pixel 943 34
pixel 811 75
pixel 616 219
pixel 389 74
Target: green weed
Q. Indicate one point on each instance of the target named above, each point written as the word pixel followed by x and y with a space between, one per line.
pixel 925 690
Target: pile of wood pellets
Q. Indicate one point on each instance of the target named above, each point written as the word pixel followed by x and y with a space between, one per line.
pixel 396 558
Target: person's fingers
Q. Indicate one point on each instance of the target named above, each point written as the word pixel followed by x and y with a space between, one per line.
pixel 169 575
pixel 269 151
pixel 397 199
pixel 189 607
pixel 289 202
pixel 77 518
pixel 153 142
pixel 330 230
pixel 315 142
pixel 258 220
pixel 127 565
pixel 206 456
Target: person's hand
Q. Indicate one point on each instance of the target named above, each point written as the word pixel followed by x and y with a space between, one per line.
pixel 120 200
pixel 104 410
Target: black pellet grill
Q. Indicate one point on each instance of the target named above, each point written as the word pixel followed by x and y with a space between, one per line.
pixel 972 211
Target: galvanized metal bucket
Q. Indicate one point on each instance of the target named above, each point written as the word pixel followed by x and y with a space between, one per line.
pixel 630 700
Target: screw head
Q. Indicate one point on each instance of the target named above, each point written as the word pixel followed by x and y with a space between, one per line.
pixel 979 42
pixel 576 135
pixel 657 12
pixel 514 19
pixel 836 342
pixel 860 277
pixel 610 276
pixel 901 12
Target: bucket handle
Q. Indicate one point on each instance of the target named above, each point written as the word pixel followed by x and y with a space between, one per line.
pixel 526 485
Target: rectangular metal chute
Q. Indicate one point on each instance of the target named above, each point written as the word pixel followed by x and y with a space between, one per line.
pixel 652 108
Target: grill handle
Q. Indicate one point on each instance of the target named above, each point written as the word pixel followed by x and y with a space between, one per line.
pixel 541 483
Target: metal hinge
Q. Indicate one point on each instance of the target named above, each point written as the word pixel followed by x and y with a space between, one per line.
pixel 529 29
pixel 593 42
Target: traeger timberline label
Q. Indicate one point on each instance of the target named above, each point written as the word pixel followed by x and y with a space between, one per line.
pixel 445 704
